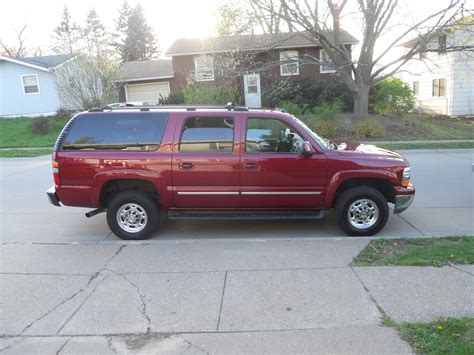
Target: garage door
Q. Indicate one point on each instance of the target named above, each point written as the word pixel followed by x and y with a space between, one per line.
pixel 147 92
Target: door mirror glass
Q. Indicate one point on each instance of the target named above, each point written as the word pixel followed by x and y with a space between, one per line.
pixel 307 149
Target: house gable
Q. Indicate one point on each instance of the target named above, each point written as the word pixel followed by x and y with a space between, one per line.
pixel 13 99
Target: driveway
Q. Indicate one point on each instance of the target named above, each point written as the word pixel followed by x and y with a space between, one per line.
pixel 443 206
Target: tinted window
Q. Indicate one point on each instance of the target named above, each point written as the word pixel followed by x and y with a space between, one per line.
pixel 271 136
pixel 207 134
pixel 120 131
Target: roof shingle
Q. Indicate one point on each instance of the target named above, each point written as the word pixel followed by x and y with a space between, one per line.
pixel 142 70
pixel 255 42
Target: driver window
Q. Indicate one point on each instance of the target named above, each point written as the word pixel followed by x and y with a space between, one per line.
pixel 266 135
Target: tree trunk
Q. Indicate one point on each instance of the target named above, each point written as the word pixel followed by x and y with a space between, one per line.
pixel 361 103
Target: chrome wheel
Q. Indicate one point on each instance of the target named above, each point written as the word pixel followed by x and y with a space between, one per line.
pixel 363 213
pixel 132 218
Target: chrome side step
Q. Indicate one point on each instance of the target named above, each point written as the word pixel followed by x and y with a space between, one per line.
pixel 247 215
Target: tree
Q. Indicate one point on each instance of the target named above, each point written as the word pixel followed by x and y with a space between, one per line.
pixel 135 40
pixel 121 29
pixel 375 18
pixel 67 34
pixel 237 17
pixel 18 50
pixel 85 82
pixel 96 36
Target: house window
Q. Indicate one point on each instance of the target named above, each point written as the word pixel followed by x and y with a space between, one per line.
pixel 326 62
pixel 441 44
pixel 30 84
pixel 204 68
pixel 416 88
pixel 439 86
pixel 289 63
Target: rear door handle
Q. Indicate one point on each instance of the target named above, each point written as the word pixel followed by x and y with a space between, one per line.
pixel 250 166
pixel 115 164
pixel 186 166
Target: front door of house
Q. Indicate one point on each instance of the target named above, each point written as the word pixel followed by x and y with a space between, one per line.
pixel 253 97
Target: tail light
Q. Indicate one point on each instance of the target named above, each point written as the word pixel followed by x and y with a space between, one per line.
pixel 57 181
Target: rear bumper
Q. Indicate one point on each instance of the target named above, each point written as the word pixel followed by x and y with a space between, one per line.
pixel 53 197
pixel 404 197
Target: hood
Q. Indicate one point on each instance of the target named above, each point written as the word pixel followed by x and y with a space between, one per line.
pixel 367 149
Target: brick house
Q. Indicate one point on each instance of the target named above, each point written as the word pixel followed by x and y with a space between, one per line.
pixel 253 63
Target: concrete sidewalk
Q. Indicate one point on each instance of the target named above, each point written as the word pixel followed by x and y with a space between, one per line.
pixel 216 297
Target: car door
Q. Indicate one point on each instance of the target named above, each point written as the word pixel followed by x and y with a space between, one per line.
pixel 205 163
pixel 274 173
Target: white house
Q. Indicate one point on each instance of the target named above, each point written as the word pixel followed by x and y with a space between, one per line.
pixel 442 78
pixel 27 85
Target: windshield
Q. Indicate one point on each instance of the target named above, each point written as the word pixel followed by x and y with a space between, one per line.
pixel 322 143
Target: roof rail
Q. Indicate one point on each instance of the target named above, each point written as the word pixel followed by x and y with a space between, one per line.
pixel 229 107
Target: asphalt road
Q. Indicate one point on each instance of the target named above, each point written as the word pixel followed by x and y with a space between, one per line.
pixel 68 286
pixel 444 205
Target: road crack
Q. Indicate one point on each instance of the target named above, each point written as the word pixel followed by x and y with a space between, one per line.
pixel 142 296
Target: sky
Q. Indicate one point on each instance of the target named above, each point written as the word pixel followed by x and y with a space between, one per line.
pixel 170 19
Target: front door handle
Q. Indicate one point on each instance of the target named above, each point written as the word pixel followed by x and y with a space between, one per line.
pixel 250 166
pixel 186 166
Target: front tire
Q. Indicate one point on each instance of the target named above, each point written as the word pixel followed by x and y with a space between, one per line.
pixel 133 215
pixel 362 211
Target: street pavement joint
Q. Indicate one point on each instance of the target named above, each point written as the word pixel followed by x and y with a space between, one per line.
pixel 222 301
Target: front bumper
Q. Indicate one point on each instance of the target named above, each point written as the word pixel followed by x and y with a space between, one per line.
pixel 53 197
pixel 404 197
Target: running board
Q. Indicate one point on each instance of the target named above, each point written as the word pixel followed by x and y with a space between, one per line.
pixel 247 215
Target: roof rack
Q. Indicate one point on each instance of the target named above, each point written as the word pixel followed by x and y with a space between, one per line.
pixel 229 107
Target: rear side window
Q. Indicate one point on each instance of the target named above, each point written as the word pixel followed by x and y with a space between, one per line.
pixel 116 131
pixel 207 134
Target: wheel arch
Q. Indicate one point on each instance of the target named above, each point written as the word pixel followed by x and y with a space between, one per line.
pixel 383 182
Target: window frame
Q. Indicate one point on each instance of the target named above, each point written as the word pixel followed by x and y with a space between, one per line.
pixel 37 84
pixel 285 61
pixel 76 118
pixel 196 67
pixel 179 151
pixel 302 136
pixel 416 88
pixel 442 43
pixel 438 90
pixel 323 60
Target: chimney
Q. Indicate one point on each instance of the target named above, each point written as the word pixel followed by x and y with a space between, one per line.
pixel 335 19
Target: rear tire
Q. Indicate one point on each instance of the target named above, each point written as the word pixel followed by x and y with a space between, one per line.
pixel 133 215
pixel 362 211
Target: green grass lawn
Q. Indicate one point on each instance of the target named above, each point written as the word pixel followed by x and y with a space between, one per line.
pixel 443 336
pixel 411 127
pixel 417 252
pixel 15 133
pixel 414 145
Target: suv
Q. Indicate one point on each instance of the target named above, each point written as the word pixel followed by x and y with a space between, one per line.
pixel 220 162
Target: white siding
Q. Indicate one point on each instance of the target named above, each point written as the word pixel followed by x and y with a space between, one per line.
pixel 463 78
pixel 13 101
pixel 456 68
pixel 433 67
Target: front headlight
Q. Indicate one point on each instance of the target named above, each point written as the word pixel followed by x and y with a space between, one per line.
pixel 406 177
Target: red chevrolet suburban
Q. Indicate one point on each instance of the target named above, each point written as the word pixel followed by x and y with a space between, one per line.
pixel 220 162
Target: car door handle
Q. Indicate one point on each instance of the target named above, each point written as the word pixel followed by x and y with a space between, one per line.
pixel 186 166
pixel 250 166
pixel 115 164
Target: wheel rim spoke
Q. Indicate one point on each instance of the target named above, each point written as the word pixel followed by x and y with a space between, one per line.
pixel 132 218
pixel 363 213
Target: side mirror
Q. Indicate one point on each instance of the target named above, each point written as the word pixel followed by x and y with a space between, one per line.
pixel 308 150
